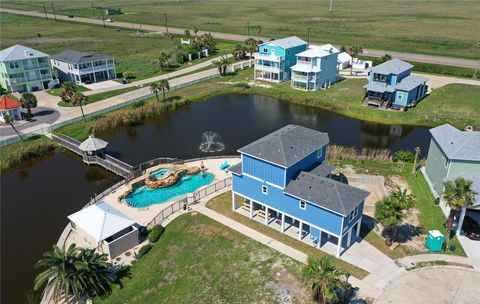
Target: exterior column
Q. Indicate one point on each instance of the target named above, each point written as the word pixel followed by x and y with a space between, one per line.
pixel 460 221
pixel 359 225
pixel 94 78
pixel 339 246
pixel 300 227
pixel 251 209
pixel 349 239
pixel 233 201
pixel 266 215
pixel 283 222
pixel 320 239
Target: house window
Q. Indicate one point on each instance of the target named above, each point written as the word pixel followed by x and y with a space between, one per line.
pixel 319 153
pixel 446 161
pixel 13 65
pixel 353 214
pixel 265 50
pixel 400 95
pixel 288 52
pixel 303 205
pixel 264 189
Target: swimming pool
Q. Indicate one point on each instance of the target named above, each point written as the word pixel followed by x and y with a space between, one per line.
pixel 161 173
pixel 144 196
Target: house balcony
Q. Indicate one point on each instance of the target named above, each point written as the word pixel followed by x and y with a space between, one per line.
pixel 17 80
pixel 36 66
pixel 260 56
pixel 97 68
pixel 309 63
pixel 267 68
pixel 302 78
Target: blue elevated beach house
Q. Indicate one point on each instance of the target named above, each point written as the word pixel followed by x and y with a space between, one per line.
pixel 284 180
pixel 275 58
pixel 315 68
pixel 391 85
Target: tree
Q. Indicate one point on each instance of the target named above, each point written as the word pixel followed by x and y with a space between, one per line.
pixel 258 28
pixel 251 46
pixel 195 30
pixel 74 275
pixel 239 52
pixel 324 279
pixel 155 88
pixel 67 89
pixel 343 48
pixel 391 211
pixel 164 86
pixel 386 58
pixel 3 91
pixel 77 100
pixel 9 120
pixel 354 51
pixel 128 75
pixel 187 32
pixel 29 101
pixel 162 61
pixel 221 65
pixel 458 194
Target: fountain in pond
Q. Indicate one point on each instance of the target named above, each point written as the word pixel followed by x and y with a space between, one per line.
pixel 211 142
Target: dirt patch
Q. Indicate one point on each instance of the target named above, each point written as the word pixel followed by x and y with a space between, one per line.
pixel 286 287
pixel 393 182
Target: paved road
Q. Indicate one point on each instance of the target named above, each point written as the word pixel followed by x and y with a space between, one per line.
pixel 374 53
pixel 43 115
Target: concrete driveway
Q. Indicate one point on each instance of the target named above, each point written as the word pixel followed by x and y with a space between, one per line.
pixel 43 115
pixel 435 285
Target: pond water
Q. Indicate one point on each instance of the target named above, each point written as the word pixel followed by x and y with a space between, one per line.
pixel 37 197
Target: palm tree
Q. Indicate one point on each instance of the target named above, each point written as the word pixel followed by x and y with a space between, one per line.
pixel 9 120
pixel 343 48
pixel 155 88
pixel 74 275
pixel 391 211
pixel 67 89
pixel 251 46
pixel 354 51
pixel 162 61
pixel 77 100
pixel 187 32
pixel 386 58
pixel 164 86
pixel 3 91
pixel 324 279
pixel 29 101
pixel 458 194
pixel 258 28
pixel 195 30
pixel 128 75
pixel 238 52
pixel 221 65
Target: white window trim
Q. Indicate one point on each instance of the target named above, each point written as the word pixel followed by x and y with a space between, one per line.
pixel 264 189
pixel 304 205
pixel 319 153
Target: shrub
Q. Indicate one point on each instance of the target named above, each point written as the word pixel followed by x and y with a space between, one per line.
pixel 403 156
pixel 243 85
pixel 138 104
pixel 155 233
pixel 143 251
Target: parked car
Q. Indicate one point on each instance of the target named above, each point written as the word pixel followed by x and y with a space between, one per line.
pixel 70 16
pixel 471 228
pixel 109 20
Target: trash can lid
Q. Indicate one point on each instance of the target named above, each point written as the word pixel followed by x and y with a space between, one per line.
pixel 435 233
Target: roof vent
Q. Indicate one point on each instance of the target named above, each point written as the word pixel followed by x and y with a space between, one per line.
pixel 28 53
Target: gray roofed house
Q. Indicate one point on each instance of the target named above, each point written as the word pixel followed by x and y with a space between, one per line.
pixel 236 169
pixel 287 145
pixel 325 192
pixel 456 144
pixel 323 169
pixel 84 68
pixel 394 66
pixel 289 42
pixel 410 82
pixel 20 52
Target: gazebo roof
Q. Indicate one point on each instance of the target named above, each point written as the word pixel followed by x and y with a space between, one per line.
pixel 92 144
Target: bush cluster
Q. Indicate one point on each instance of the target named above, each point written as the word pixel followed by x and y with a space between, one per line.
pixel 342 152
pixel 143 251
pixel 155 233
pixel 403 156
pixel 243 85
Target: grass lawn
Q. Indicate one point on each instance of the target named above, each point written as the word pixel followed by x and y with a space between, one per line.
pixel 100 96
pixel 56 91
pixel 223 204
pixel 198 260
pixel 132 52
pixel 438 27
pixel 431 216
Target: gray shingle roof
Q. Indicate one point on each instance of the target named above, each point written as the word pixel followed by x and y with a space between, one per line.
pixel 75 57
pixel 326 193
pixel 379 89
pixel 322 169
pixel 394 66
pixel 236 169
pixel 287 145
pixel 410 82
pixel 20 52
pixel 289 42
pixel 456 144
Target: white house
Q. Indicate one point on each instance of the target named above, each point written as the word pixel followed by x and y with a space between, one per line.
pixel 106 229
pixel 344 61
pixel 79 67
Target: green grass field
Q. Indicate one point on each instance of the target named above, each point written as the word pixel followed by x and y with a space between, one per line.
pixel 132 52
pixel 198 260
pixel 437 27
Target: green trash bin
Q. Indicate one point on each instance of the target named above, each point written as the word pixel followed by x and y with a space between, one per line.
pixel 435 240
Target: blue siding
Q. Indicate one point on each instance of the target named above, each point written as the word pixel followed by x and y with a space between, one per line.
pixel 288 57
pixel 278 200
pixel 347 223
pixel 328 69
pixel 401 98
pixel 305 164
pixel 264 170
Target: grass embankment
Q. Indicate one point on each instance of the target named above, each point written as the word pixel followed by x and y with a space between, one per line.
pixel 198 260
pixel 431 216
pixel 223 204
pixel 132 52
pixel 23 151
pixel 407 26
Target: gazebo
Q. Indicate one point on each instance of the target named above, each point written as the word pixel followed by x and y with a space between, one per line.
pixel 93 146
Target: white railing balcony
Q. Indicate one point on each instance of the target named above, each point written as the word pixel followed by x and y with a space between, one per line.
pixel 17 80
pixel 267 57
pixel 36 66
pixel 309 63
pixel 299 78
pixel 267 68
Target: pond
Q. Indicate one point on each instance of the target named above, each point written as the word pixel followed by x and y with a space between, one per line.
pixel 37 197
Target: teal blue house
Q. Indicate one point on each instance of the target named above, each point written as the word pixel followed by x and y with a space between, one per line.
pixel 275 58
pixel 284 181
pixel 391 85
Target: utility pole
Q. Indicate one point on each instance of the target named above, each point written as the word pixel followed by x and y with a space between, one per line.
pixel 93 10
pixel 331 6
pixel 248 29
pixel 166 20
pixel 308 35
pixel 53 9
pixel 45 11
pixel 417 154
pixel 103 19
